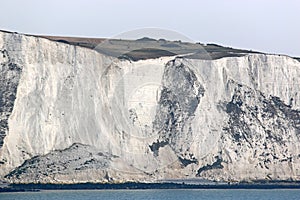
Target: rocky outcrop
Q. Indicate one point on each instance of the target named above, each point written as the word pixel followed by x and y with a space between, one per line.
pixel 71 114
pixel 78 163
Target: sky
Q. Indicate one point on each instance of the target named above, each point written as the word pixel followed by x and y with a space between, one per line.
pixel 270 26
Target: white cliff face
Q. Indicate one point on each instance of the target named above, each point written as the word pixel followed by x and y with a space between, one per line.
pixel 71 114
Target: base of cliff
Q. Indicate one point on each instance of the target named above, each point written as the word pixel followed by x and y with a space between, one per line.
pixel 143 186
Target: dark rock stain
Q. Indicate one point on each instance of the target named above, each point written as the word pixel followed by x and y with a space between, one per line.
pixel 9 79
pixel 180 96
pixel 216 165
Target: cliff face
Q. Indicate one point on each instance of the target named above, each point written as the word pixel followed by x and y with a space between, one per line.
pixel 71 114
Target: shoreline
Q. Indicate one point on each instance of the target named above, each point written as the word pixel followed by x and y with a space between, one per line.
pixel 36 187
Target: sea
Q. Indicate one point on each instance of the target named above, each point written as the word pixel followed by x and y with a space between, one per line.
pixel 174 194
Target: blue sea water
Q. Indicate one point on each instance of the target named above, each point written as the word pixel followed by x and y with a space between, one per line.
pixel 202 194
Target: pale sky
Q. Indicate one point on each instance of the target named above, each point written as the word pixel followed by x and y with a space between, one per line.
pixel 271 26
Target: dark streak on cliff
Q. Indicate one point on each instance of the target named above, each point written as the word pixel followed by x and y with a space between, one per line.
pixel 9 79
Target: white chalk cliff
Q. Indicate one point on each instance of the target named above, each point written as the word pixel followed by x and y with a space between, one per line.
pixel 69 114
